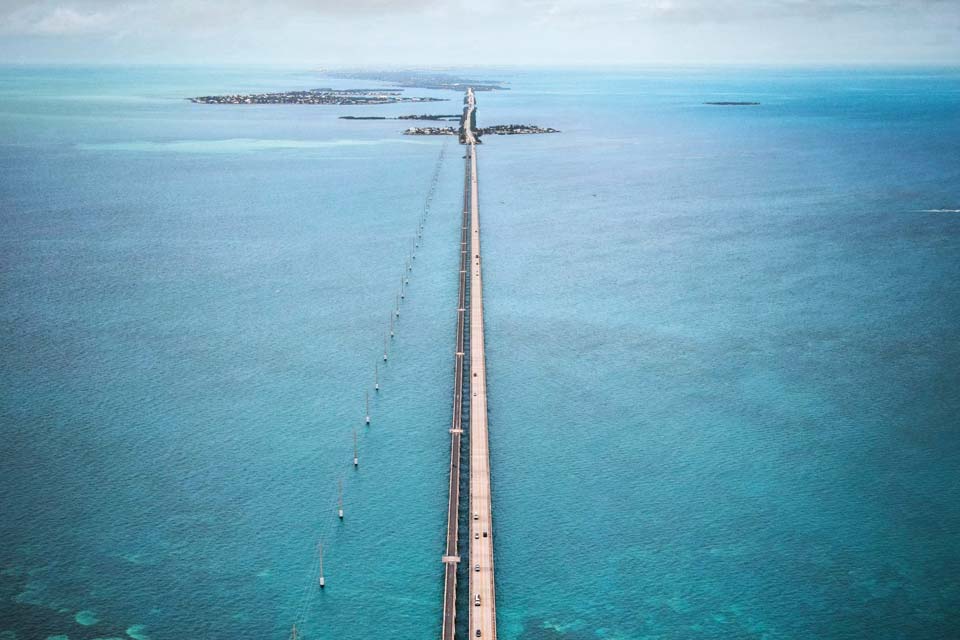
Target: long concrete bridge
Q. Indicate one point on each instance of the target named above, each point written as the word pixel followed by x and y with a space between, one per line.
pixel 482 600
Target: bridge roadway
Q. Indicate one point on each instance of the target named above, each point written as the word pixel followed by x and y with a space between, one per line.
pixel 451 558
pixel 482 599
pixel 467 134
pixel 483 615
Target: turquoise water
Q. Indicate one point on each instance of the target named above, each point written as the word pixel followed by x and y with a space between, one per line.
pixel 722 350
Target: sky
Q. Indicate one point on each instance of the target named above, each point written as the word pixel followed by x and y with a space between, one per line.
pixel 332 33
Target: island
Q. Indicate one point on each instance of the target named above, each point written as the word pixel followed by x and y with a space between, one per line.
pixel 442 117
pixel 514 130
pixel 340 97
pixel 732 104
pixel 497 130
pixel 431 131
pixel 419 80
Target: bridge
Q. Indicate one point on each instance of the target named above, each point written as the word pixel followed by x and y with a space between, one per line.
pixel 482 600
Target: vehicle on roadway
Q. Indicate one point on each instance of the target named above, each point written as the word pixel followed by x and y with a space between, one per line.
pixel 476 600
pixel 484 534
pixel 476 515
pixel 478 633
pixel 476 567
pixel 476 536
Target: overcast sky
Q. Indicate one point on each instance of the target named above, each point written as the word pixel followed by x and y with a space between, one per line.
pixel 481 32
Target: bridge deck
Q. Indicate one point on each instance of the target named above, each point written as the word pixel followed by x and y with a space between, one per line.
pixel 451 558
pixel 483 616
pixel 482 604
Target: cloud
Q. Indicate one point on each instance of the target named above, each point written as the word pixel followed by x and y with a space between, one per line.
pixel 724 11
pixel 60 17
pixel 480 32
pixel 66 21
pixel 45 19
pixel 361 7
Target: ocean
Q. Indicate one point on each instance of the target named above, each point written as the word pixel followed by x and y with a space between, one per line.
pixel 723 355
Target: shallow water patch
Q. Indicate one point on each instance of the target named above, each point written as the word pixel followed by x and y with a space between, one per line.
pixel 87 618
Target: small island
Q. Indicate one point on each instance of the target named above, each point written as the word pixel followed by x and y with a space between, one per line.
pixel 514 130
pixel 732 104
pixel 441 117
pixel 496 130
pixel 431 131
pixel 420 80
pixel 339 97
